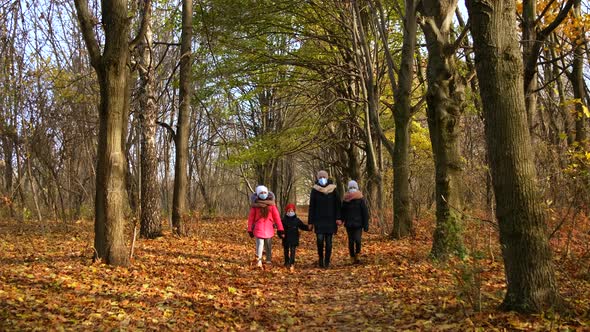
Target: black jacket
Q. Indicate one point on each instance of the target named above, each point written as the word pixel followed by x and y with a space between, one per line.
pixel 324 210
pixel 292 226
pixel 355 214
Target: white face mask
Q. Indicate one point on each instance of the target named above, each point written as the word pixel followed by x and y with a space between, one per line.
pixel 323 181
pixel 352 190
pixel 290 214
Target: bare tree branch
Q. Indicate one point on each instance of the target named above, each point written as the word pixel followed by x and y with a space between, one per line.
pixel 86 25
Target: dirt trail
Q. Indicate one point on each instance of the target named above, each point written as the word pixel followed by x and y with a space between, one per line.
pixel 207 281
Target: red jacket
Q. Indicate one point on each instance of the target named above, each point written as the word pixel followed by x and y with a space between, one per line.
pixel 262 227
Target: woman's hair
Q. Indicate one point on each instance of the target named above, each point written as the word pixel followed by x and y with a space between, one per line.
pixel 264 211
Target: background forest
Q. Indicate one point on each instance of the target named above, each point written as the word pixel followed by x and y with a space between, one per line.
pixel 155 116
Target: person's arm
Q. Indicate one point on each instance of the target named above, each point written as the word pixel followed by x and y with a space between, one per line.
pixel 302 226
pixel 338 205
pixel 311 213
pixel 365 215
pixel 276 217
pixel 251 217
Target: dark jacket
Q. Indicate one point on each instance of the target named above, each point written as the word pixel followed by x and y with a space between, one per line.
pixel 355 214
pixel 324 210
pixel 292 226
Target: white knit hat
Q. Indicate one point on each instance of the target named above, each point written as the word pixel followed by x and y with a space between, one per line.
pixel 261 189
pixel 353 184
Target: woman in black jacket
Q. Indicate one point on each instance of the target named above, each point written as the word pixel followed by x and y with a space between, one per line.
pixel 324 215
pixel 356 219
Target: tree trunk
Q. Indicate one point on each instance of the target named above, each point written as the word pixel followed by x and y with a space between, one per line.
pixel 530 280
pixel 529 36
pixel 112 72
pixel 151 224
pixel 561 92
pixel 445 99
pixel 577 79
pixel 32 184
pixel 402 218
pixel 182 134
pixel 7 149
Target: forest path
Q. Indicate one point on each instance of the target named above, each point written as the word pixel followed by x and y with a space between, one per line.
pixel 386 291
pixel 207 281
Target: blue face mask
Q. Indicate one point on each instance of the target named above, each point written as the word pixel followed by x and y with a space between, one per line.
pixel 290 214
pixel 352 190
pixel 323 181
pixel 263 196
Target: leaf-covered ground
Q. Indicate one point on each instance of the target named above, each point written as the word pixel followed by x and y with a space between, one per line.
pixel 207 282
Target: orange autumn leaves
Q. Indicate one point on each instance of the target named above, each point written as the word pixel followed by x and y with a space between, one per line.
pixel 206 282
pixel 574 29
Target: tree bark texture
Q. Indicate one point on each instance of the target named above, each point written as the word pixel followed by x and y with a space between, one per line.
pixel 151 223
pixel 530 280
pixel 182 134
pixel 112 72
pixel 446 100
pixel 402 218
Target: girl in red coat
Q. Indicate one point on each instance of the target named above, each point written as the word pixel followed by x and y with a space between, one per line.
pixel 261 223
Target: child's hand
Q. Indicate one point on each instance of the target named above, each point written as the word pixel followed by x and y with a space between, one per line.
pixel 281 234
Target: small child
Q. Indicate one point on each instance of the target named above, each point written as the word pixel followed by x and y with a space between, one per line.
pixel 292 226
pixel 261 221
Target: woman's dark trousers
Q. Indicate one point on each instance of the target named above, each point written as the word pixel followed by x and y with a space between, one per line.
pixel 324 239
pixel 354 241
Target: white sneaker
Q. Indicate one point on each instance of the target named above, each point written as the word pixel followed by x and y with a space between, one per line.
pixel 259 264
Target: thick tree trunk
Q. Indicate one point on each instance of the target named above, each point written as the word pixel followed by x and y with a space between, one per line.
pixel 531 285
pixel 151 223
pixel 402 218
pixel 109 224
pixel 445 99
pixel 112 72
pixel 182 135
